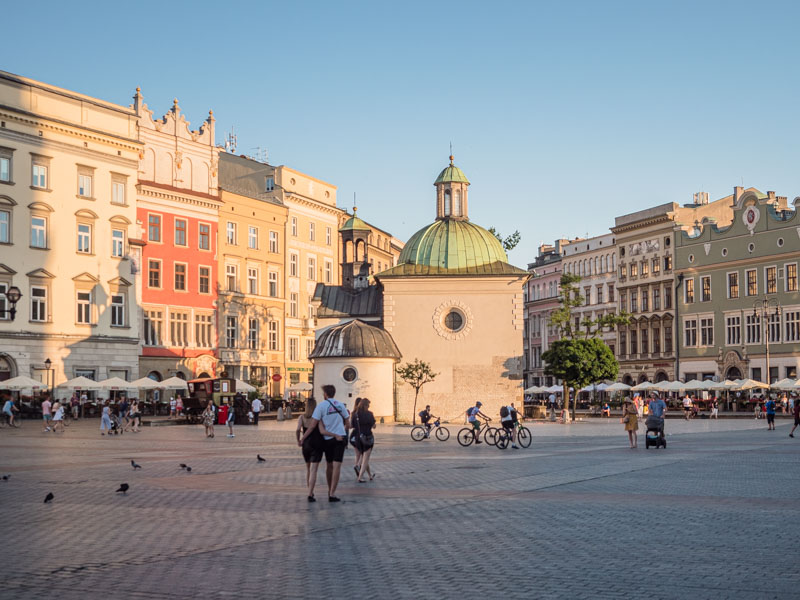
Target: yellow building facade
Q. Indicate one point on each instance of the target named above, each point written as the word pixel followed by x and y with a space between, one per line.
pixel 252 275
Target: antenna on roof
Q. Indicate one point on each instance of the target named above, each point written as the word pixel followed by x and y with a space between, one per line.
pixel 261 154
pixel 230 142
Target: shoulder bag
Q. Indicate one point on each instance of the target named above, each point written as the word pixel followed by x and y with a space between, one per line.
pixel 366 439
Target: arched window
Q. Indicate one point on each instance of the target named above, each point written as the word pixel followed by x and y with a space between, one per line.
pixel 447 203
pixel 457 203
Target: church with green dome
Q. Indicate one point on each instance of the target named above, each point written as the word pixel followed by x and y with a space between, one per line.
pixel 453 301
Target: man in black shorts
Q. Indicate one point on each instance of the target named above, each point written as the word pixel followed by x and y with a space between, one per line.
pixel 333 419
pixel 425 417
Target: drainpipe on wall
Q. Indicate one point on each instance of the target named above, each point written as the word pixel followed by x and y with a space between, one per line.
pixel 678 331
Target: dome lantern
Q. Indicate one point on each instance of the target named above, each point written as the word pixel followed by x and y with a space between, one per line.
pixel 451 193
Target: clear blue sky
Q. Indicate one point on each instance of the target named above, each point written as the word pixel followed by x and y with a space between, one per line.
pixel 562 114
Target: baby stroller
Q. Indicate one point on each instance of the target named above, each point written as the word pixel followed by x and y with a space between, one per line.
pixel 116 424
pixel 655 432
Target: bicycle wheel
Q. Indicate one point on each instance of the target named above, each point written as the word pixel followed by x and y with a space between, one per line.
pixel 465 437
pixel 524 437
pixel 490 436
pixel 418 433
pixel 501 439
pixel 442 434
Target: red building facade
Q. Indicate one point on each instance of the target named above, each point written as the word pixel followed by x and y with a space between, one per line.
pixel 178 213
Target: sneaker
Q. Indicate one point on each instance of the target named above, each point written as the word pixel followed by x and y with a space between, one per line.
pixel 515 447
pixel 791 435
pixel 478 442
pixel 333 499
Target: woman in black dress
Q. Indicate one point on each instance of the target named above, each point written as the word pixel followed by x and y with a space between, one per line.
pixel 312 447
pixel 363 422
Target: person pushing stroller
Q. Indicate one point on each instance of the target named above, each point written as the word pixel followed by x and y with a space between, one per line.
pixel 655 422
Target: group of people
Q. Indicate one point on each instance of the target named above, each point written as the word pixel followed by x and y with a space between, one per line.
pixel 509 420
pixel 126 417
pixel 210 417
pixel 656 407
pixel 322 430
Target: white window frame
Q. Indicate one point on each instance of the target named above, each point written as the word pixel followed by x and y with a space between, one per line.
pixel 85 184
pixel 273 285
pixel 273 242
pixel 294 301
pixel 273 336
pixel 738 284
pixel 312 232
pixel 733 331
pixel 118 191
pixel 690 331
pixel 328 236
pixel 117 243
pixel 705 327
pixel 118 312
pixel 153 327
pixel 42 232
pixel 231 233
pixel 83 307
pixel 253 280
pixel 252 333
pixel 766 279
pixel 5 226
pixel 84 239
pixel 294 349
pixel 293 222
pixel 686 291
pixel 231 271
pixel 252 237
pixel 791 325
pixel 752 324
pixel 294 264
pixel 40 175
pixel 328 271
pixel 710 294
pixel 312 268
pixel 43 301
pixel 231 332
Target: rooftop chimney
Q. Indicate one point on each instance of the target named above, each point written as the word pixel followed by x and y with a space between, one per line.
pixel 737 193
pixel 701 198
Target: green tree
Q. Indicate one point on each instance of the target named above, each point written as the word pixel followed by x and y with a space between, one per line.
pixel 510 242
pixel 580 357
pixel 416 374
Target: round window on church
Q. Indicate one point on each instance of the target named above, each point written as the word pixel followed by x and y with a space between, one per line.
pixel 454 320
pixel 349 374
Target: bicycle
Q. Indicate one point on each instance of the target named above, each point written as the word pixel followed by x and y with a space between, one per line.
pixel 524 437
pixel 467 435
pixel 420 432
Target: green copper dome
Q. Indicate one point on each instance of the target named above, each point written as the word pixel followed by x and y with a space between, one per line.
pixel 452 244
pixel 451 173
pixel 354 223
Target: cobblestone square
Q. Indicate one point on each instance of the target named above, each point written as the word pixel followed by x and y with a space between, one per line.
pixel 578 514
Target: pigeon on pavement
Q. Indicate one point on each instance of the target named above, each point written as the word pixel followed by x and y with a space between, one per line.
pixel 134 465
pixel 183 466
pixel 6 477
pixel 49 497
pixel 123 487
pixel 188 469
pixel 258 456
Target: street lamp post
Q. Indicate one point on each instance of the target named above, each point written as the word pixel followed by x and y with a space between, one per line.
pixel 12 295
pixel 47 364
pixel 761 310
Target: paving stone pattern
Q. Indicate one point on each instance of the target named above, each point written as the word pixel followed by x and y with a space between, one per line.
pixel 578 515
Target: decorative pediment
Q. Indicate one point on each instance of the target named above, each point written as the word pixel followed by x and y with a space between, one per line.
pixel 41 206
pixel 7 201
pixel 120 281
pixel 6 270
pixel 173 123
pixel 120 219
pixel 41 273
pixel 85 214
pixel 85 278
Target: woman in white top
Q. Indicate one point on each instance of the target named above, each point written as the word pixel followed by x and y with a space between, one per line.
pixel 105 420
pixel 58 417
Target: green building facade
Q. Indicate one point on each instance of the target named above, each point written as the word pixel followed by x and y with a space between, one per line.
pixel 738 305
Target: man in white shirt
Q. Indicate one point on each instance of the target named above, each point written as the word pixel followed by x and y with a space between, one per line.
pixel 687 407
pixel 333 419
pixel 256 408
pixel 508 417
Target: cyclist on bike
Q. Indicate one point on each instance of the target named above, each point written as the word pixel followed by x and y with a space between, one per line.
pixel 509 420
pixel 473 415
pixel 8 411
pixel 424 417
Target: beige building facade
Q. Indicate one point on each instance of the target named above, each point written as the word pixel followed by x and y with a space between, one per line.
pixel 68 169
pixel 252 284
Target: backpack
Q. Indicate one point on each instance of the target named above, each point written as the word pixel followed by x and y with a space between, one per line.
pixel 503 412
pixel 421 413
pixel 469 411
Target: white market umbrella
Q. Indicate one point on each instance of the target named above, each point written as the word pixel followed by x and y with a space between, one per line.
pixel 22 382
pixel 78 383
pixel 534 389
pixel 112 383
pixel 695 385
pixel 173 383
pixel 671 386
pixel 242 386
pixel 785 384
pixel 146 383
pixel 723 385
pixel 750 384
pixel 303 386
pixel 595 387
pixel 618 387
pixel 554 389
pixel 644 386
